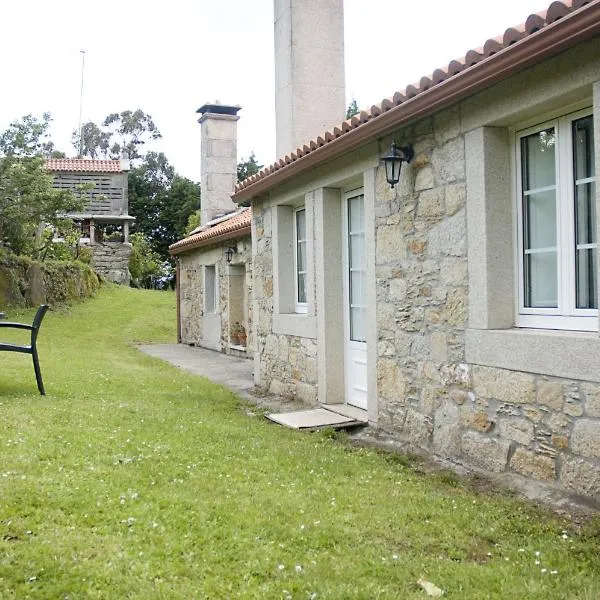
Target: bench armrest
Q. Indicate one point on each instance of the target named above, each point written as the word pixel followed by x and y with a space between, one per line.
pixel 15 325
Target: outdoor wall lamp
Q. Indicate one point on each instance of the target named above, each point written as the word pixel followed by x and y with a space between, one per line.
pixel 229 253
pixel 393 162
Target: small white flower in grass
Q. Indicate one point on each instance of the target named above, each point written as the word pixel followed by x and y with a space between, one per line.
pixel 394 557
pixel 553 572
pixel 537 562
pixel 281 567
pixel 302 526
pixel 565 536
pixel 537 552
pixel 521 549
pixel 544 570
pixel 298 568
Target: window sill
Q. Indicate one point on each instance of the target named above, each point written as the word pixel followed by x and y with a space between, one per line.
pixel 296 324
pixel 237 347
pixel 568 354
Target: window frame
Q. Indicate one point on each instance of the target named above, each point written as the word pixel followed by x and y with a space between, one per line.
pixel 300 307
pixel 566 315
pixel 215 289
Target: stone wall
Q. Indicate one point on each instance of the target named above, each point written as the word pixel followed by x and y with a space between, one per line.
pixel 111 261
pixel 287 363
pixel 191 293
pixel 494 419
pixel 440 382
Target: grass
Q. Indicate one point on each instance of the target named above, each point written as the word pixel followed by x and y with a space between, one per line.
pixel 132 479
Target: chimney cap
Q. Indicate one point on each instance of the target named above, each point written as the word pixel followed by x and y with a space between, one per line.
pixel 218 109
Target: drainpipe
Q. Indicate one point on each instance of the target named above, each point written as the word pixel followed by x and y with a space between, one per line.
pixel 177 296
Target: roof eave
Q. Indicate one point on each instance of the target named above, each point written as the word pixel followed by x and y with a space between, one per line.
pixel 575 28
pixel 181 247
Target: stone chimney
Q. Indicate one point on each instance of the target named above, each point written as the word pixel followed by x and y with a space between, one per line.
pixel 309 70
pixel 218 170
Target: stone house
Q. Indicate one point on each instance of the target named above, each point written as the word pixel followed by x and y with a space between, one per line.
pixel 214 263
pixel 214 285
pixel 104 221
pixel 458 309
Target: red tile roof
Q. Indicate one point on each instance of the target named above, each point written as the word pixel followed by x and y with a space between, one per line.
pixel 542 35
pixel 236 226
pixel 83 165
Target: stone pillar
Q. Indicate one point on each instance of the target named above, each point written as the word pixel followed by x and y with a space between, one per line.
pixel 218 172
pixel 309 70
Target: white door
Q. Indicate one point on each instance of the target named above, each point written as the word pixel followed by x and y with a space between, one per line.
pixel 355 300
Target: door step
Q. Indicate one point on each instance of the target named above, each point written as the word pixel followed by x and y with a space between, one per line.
pixel 315 418
pixel 348 410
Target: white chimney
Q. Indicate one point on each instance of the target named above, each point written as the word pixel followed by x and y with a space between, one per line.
pixel 309 70
pixel 218 151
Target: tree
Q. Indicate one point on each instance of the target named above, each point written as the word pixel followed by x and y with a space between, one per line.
pixel 352 109
pixel 96 143
pixel 27 137
pixel 247 168
pixel 161 201
pixel 28 201
pixel 144 262
pixel 119 134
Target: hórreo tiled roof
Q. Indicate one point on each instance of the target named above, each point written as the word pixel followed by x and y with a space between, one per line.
pixel 542 35
pixel 235 226
pixel 83 165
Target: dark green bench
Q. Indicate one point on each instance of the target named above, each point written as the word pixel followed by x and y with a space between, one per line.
pixel 32 348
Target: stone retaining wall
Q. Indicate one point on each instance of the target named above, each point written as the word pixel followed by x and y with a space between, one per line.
pixel 111 261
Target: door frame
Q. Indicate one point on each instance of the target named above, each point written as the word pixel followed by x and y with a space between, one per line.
pixel 348 344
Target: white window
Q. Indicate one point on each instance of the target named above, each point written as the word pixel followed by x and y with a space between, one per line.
pixel 557 224
pixel 357 272
pixel 300 260
pixel 210 289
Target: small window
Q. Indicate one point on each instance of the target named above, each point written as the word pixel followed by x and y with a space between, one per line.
pixel 210 289
pixel 300 260
pixel 557 225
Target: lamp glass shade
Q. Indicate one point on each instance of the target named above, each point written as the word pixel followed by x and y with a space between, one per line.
pixel 393 164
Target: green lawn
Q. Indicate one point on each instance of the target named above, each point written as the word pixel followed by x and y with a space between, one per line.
pixel 131 479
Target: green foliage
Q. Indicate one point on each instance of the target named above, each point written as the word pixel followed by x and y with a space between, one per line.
pixel 161 201
pixel 144 263
pixel 27 137
pixel 68 281
pixel 25 282
pixel 352 109
pixel 119 134
pixel 193 222
pixel 28 201
pixel 247 168
pixel 96 143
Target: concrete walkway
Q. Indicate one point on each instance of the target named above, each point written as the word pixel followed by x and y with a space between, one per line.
pixel 230 371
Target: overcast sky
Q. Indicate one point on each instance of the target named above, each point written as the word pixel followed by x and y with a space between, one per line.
pixel 169 58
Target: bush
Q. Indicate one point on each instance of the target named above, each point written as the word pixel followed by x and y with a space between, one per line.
pixel 25 282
